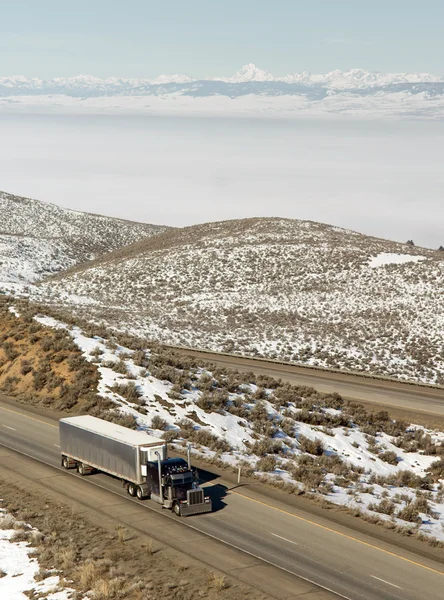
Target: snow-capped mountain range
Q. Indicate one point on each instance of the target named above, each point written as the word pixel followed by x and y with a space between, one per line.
pixel 250 91
pixel 354 79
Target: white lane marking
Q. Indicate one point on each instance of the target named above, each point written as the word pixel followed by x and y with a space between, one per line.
pixel 56 445
pixel 387 582
pixel 157 511
pixel 11 428
pixel 285 539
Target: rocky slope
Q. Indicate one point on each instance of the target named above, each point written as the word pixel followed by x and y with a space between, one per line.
pixel 38 239
pixel 294 290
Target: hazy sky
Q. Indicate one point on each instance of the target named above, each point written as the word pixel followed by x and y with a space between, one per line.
pixel 376 177
pixel 143 38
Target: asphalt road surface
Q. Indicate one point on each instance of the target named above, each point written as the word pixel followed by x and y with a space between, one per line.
pixel 350 564
pixel 404 396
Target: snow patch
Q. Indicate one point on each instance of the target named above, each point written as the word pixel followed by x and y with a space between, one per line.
pixel 389 258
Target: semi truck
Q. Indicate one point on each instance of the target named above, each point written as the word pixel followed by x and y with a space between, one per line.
pixel 139 460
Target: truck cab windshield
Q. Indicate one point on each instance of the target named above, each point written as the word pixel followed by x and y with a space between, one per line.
pixel 181 479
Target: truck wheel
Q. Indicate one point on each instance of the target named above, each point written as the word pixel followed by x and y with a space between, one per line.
pixel 131 489
pixel 65 463
pixel 176 509
pixel 139 493
pixel 81 469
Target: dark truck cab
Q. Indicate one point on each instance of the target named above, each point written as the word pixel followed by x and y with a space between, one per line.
pixel 176 487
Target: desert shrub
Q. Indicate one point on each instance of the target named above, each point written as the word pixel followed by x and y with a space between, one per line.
pixel 315 446
pixel 211 441
pixel 25 367
pixel 40 376
pixel 129 391
pixel 266 463
pixel 389 457
pixel 333 400
pixel 75 362
pixel 437 469
pixel 259 394
pixel 266 446
pixel 259 412
pixel 409 513
pixel 205 382
pixel 288 427
pixel 10 351
pixel 311 476
pixel 10 383
pixel 386 507
pixel 120 367
pixel 120 419
pixel 47 343
pixel 186 425
pixel 139 358
pixel 97 351
pixel 158 423
pixel 205 402
pixel 422 503
pixel 170 435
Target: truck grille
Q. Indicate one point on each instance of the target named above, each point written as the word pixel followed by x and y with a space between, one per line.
pixel 195 497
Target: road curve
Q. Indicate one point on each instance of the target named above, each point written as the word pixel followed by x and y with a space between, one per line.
pixel 307 548
pixel 415 398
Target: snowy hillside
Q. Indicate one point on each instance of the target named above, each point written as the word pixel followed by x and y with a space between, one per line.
pixel 39 239
pixel 295 437
pixel 295 290
pixel 249 90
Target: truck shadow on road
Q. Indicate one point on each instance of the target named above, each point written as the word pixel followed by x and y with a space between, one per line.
pixel 217 493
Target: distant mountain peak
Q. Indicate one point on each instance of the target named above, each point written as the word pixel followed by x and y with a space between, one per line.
pixel 252 73
pixel 353 78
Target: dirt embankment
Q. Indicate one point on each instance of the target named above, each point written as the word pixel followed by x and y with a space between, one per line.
pixel 41 366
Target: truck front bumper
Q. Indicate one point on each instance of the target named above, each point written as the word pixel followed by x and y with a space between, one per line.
pixel 195 509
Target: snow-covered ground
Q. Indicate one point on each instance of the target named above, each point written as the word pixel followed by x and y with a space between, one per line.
pixel 370 470
pixel 298 291
pixel 19 571
pixel 38 239
pixel 389 258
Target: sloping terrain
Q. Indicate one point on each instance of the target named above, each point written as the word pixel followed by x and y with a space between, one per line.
pixel 292 436
pixel 38 239
pixel 294 290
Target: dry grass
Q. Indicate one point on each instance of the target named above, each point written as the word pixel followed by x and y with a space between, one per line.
pixel 95 562
pixel 88 574
pixel 218 582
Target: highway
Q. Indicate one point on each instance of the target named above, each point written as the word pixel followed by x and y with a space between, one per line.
pixel 390 393
pixel 301 549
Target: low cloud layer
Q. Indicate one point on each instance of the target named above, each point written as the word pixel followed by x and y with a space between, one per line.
pixel 380 178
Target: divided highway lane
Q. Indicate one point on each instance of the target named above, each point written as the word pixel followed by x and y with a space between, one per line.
pixel 380 391
pixel 354 566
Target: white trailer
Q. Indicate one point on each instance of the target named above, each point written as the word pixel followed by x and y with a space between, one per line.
pixel 139 460
pixel 88 443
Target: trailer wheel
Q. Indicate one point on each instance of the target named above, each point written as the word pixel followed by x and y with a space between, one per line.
pixel 176 509
pixel 132 489
pixel 81 469
pixel 65 463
